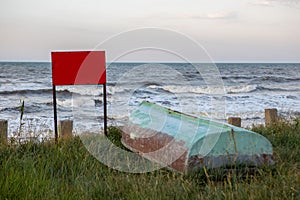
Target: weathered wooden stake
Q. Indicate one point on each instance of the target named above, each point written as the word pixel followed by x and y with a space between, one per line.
pixel 235 121
pixel 3 131
pixel 65 129
pixel 271 116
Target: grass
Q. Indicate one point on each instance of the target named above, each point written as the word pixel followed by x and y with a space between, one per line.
pixel 67 171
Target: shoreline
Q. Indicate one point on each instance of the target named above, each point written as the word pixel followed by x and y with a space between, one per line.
pixel 34 132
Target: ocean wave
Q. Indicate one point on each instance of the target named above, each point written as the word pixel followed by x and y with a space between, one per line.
pixel 117 89
pixel 34 91
pixel 241 89
pixel 255 88
pixel 26 91
pixel 31 107
pixel 11 109
pixel 276 79
pixel 217 90
pixel 48 91
pixel 187 89
pixel 235 77
pixel 150 90
pixel 261 88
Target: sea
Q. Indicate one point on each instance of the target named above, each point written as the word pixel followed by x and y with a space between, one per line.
pixel 247 89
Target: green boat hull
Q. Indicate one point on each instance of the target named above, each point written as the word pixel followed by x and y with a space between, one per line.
pixel 186 143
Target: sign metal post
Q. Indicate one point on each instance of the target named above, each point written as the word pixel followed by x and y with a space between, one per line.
pixel 78 68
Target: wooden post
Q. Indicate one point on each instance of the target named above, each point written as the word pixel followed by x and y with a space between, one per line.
pixel 271 116
pixel 3 131
pixel 235 121
pixel 65 129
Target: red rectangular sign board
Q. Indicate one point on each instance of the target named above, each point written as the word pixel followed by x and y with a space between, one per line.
pixel 78 68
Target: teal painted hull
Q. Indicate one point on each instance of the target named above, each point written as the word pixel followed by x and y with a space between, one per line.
pixel 186 143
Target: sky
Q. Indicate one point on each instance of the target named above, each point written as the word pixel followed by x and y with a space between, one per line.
pixel 228 30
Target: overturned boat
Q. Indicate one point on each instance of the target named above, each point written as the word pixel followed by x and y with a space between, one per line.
pixel 186 143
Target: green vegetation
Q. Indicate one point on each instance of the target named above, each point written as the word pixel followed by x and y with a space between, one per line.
pixel 67 171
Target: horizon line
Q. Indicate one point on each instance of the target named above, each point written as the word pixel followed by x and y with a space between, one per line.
pixel 175 62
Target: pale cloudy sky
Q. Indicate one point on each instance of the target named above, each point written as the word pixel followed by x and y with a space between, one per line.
pixel 230 30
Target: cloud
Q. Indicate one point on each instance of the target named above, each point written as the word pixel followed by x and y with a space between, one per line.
pixel 262 3
pixel 290 3
pixel 217 15
pixel 222 15
pixel 270 3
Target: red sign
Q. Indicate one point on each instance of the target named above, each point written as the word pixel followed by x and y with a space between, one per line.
pixel 78 68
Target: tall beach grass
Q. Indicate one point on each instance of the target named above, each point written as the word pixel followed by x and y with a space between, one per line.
pixel 68 171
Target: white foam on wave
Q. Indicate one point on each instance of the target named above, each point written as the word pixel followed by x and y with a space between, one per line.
pixel 241 88
pixel 15 87
pixel 65 102
pixel 177 89
pixel 205 89
pixel 88 90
